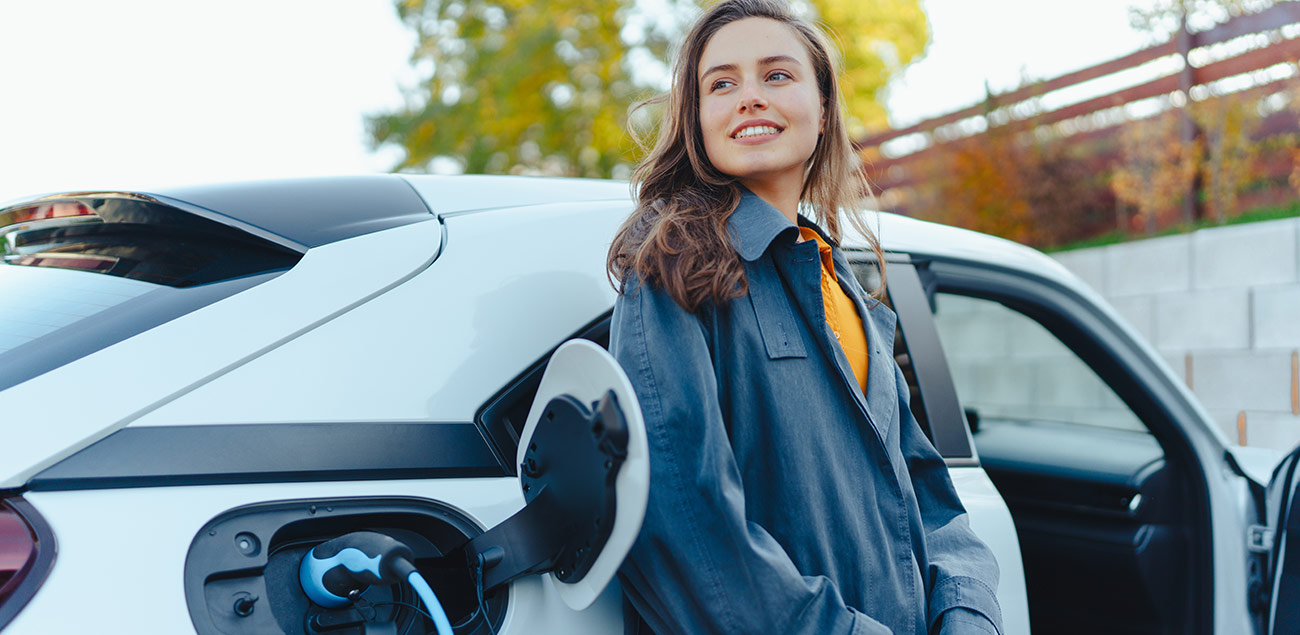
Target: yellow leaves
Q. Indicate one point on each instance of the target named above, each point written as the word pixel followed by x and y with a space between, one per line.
pixel 544 87
pixel 879 38
pixel 1295 170
pixel 1157 167
pixel 1228 124
pixel 1295 151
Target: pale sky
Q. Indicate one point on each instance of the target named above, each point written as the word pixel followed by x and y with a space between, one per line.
pixel 133 93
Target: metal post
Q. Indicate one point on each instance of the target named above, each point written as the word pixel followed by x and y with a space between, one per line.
pixel 1187 127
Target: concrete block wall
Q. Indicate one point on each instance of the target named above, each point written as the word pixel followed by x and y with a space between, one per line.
pixel 1007 367
pixel 1222 306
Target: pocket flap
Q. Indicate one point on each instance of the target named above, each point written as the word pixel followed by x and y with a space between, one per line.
pixel 776 318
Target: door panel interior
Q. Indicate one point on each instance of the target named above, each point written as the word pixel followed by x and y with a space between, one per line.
pixel 1101 510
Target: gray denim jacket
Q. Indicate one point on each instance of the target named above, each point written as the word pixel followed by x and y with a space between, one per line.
pixel 783 500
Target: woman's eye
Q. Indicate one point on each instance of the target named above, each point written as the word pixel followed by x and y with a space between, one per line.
pixel 779 75
pixel 721 83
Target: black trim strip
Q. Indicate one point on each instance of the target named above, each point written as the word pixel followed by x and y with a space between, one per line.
pixel 948 429
pixel 38 569
pixel 165 456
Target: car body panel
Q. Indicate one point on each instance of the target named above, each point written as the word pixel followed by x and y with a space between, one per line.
pixel 123 570
pixel 991 521
pixel 201 346
pixel 364 315
pixel 451 336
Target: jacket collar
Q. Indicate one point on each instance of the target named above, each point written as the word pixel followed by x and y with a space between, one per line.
pixel 755 224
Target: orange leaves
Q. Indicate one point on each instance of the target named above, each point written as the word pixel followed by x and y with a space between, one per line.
pixel 980 183
pixel 1295 153
pixel 1156 167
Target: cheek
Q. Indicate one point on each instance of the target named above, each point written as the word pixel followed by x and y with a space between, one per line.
pixel 713 116
pixel 713 122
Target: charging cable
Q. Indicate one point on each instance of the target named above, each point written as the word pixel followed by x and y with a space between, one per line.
pixel 338 570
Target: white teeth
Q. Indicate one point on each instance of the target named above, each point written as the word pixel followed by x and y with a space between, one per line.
pixel 754 131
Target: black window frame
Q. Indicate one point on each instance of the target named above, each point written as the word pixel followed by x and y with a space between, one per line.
pixel 909 288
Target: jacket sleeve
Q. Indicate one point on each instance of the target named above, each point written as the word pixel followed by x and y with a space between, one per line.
pixel 962 572
pixel 698 565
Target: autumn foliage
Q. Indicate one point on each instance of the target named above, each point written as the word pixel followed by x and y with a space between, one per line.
pixel 1013 181
pixel 531 87
pixel 1046 185
pixel 1156 168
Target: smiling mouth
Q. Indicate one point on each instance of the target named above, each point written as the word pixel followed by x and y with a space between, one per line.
pixel 756 131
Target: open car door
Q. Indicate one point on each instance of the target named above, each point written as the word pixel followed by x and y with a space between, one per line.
pixel 1283 568
pixel 584 470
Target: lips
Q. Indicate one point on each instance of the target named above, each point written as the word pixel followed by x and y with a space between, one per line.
pixel 755 128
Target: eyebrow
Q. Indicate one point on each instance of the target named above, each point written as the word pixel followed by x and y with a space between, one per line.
pixel 766 61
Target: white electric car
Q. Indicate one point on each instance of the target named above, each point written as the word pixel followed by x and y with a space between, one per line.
pixel 200 385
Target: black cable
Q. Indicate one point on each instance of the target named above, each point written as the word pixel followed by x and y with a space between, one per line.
pixel 478 590
pixel 407 605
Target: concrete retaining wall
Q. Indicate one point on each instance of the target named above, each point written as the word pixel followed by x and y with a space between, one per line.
pixel 1223 307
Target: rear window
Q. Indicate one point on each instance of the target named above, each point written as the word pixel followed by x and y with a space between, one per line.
pixel 80 274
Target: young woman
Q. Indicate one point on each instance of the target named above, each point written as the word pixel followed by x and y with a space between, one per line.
pixel 792 490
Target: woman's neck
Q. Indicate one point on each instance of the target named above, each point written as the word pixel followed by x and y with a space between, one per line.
pixel 779 195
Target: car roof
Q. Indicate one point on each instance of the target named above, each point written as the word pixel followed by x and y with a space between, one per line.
pixel 302 213
pixel 924 239
pixel 295 213
pixel 309 212
pixel 451 195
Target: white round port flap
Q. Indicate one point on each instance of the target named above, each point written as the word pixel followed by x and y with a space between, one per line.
pixel 585 371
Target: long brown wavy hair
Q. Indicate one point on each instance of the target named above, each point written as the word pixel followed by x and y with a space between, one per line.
pixel 677 235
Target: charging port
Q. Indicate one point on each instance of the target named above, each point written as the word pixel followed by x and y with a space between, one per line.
pixel 241 572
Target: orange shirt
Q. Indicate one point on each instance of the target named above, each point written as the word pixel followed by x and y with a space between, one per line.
pixel 841 314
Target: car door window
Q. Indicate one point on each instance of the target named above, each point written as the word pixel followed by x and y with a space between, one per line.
pixel 1010 369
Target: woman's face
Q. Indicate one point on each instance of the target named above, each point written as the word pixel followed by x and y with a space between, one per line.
pixel 760 110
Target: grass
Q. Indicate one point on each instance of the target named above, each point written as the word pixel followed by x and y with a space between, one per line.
pixel 1259 214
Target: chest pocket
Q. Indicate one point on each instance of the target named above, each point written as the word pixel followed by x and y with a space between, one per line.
pixel 776 319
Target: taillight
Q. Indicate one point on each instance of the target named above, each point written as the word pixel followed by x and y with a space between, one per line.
pixel 44 211
pixel 26 554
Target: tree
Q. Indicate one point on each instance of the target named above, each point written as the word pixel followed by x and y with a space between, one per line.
pixel 1157 167
pixel 544 87
pixel 1229 123
pixel 538 86
pixel 879 38
pixel 981 186
pixel 1295 150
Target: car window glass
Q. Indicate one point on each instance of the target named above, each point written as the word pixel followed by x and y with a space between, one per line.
pixel 81 273
pixel 41 301
pixel 51 317
pixel 1007 368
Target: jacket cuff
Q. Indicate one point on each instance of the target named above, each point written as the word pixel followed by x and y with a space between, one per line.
pixel 963 621
pixel 964 592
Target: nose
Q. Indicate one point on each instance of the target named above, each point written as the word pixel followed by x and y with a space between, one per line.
pixel 751 101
